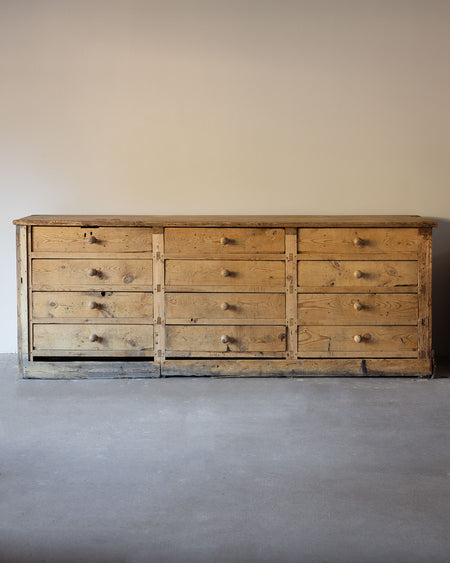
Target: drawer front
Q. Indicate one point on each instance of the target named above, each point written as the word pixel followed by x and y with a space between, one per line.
pixel 201 308
pixel 357 275
pixel 261 273
pixel 91 240
pixel 358 243
pixel 222 242
pixel 357 341
pixel 226 338
pixel 357 309
pixel 91 273
pixel 93 338
pixel 92 305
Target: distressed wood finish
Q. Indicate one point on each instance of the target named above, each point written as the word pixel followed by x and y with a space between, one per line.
pixel 357 309
pixel 357 341
pixel 225 308
pixel 155 296
pixel 92 239
pixel 104 305
pixel 365 243
pixel 127 339
pixel 224 273
pixel 236 338
pixel 74 274
pixel 376 276
pixel 222 242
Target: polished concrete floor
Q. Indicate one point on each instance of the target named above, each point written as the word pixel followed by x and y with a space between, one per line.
pixel 224 470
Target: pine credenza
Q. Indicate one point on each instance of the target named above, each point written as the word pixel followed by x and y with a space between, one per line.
pixel 151 296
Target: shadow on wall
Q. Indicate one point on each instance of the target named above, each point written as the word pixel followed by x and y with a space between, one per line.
pixel 441 285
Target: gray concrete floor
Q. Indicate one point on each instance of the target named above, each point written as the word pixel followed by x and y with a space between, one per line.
pixel 224 470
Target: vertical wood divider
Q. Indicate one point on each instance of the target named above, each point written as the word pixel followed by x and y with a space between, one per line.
pixel 291 292
pixel 22 296
pixel 424 290
pixel 158 296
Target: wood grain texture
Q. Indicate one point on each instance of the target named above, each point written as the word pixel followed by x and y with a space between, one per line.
pixel 291 292
pixel 425 301
pixel 354 243
pixel 105 239
pixel 71 274
pixel 339 309
pixel 105 305
pixel 86 369
pixel 239 338
pixel 326 341
pixel 223 241
pixel 339 367
pixel 268 221
pixel 22 297
pixel 204 308
pixel 137 339
pixel 377 276
pixel 211 273
pixel 158 293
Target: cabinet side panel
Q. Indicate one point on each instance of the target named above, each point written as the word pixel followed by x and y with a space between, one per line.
pixel 22 297
pixel 424 291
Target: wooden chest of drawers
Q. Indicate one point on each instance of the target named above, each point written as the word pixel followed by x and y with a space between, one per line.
pixel 151 296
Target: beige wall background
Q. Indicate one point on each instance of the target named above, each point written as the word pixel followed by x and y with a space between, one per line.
pixel 225 107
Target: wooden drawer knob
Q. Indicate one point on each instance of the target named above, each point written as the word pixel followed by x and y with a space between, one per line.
pixel 92 240
pixel 357 338
pixel 93 305
pixel 357 306
pixel 224 306
pixel 224 241
pixel 358 241
pixel 93 338
pixel 226 273
pixel 225 338
pixel 358 274
pixel 93 272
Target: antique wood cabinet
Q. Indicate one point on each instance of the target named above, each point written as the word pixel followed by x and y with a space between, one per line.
pixel 151 296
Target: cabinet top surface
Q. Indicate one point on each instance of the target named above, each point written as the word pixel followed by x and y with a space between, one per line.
pixel 229 220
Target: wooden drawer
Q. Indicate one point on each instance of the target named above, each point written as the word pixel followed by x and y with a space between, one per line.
pixel 357 309
pixel 343 243
pixel 92 339
pixel 204 308
pixel 357 341
pixel 104 305
pixel 91 273
pixel 357 276
pixel 222 241
pixel 91 240
pixel 217 274
pixel 188 339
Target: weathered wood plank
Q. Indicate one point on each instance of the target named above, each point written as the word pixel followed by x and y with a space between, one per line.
pixel 22 296
pixel 357 309
pixel 354 221
pixel 235 338
pixel 291 292
pixel 91 370
pixel 159 293
pixel 91 274
pixel 424 290
pixel 376 276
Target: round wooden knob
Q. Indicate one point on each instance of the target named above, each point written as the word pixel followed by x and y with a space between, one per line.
pixel 224 338
pixel 358 241
pixel 92 240
pixel 357 338
pixel 226 273
pixel 224 306
pixel 92 272
pixel 92 305
pixel 93 337
pixel 224 240
pixel 357 306
pixel 357 274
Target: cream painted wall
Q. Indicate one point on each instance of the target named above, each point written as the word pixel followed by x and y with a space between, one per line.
pixel 229 106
